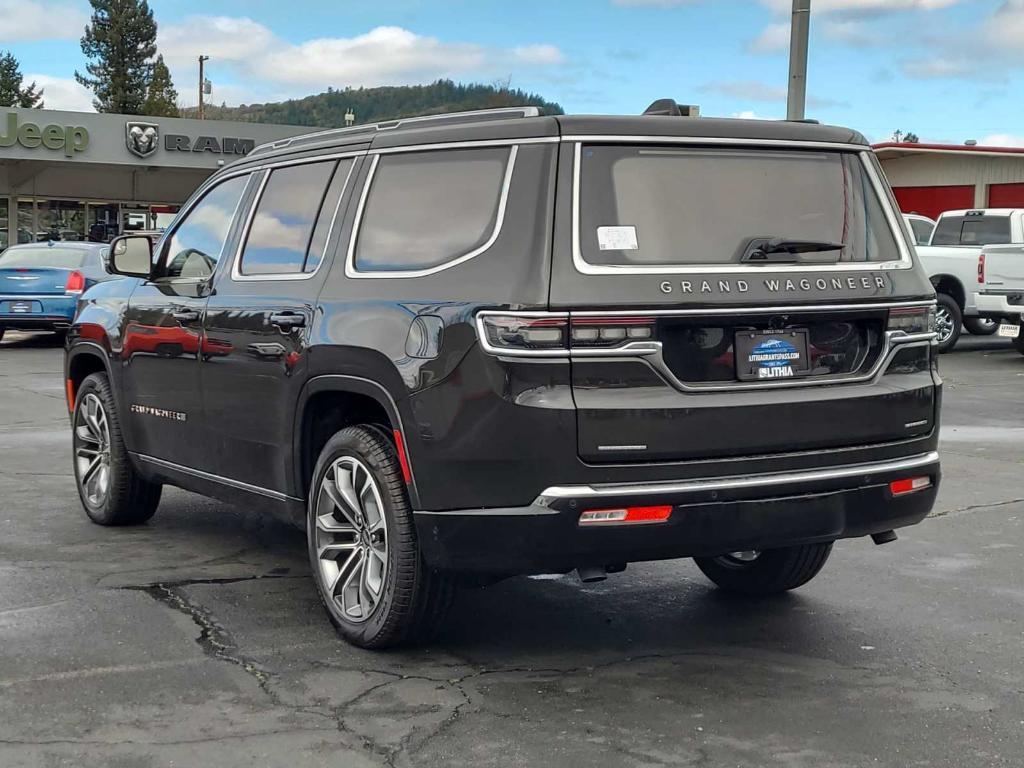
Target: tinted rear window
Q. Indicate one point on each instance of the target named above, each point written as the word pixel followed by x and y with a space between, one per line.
pixel 59 258
pixel 972 230
pixel 650 206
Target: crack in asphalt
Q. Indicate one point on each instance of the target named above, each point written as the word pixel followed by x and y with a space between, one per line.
pixel 973 507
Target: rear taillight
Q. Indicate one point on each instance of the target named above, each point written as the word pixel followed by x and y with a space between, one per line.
pixel 912 320
pixel 603 332
pixel 981 269
pixel 76 282
pixel 526 334
pixel 909 485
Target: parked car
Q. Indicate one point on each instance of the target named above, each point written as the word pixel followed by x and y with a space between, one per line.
pixel 497 343
pixel 1001 292
pixel 41 283
pixel 921 227
pixel 951 261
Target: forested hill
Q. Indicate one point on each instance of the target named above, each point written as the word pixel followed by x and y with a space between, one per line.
pixel 327 110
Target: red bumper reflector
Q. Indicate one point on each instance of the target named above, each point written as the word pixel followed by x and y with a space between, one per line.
pixel 403 459
pixel 69 388
pixel 909 485
pixel 623 515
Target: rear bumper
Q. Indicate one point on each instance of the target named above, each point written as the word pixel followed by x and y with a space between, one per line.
pixel 1006 305
pixel 35 322
pixel 709 517
pixel 48 312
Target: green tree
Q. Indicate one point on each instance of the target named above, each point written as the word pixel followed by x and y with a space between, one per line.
pixel 120 42
pixel 161 98
pixel 12 93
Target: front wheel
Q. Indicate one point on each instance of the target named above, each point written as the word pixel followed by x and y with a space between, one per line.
pixel 948 321
pixel 363 549
pixel 767 572
pixel 111 490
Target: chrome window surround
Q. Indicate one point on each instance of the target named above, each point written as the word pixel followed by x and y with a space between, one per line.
pixel 236 263
pixel 734 482
pixel 350 266
pixel 650 352
pixel 896 223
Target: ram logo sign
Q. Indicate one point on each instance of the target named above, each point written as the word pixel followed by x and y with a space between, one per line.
pixel 142 138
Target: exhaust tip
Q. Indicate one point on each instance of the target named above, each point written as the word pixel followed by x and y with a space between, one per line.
pixel 589 574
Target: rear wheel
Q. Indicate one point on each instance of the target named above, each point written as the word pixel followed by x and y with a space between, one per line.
pixel 111 490
pixel 363 549
pixel 767 572
pixel 2 332
pixel 948 321
pixel 981 326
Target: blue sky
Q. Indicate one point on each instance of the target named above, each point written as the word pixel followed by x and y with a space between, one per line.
pixel 949 70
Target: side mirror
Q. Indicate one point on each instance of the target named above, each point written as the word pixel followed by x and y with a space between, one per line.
pixel 132 255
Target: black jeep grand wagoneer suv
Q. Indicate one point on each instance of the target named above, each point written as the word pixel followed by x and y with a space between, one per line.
pixel 503 343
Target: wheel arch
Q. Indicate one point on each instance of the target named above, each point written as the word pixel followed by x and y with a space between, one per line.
pixel 84 359
pixel 952 287
pixel 331 402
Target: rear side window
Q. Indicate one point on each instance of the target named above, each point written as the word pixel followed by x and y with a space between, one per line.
pixel 972 230
pixel 282 225
pixel 431 209
pixel 651 206
pixel 922 230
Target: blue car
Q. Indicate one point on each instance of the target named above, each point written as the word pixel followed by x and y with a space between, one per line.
pixel 40 283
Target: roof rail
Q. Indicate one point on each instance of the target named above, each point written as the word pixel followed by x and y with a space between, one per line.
pixel 446 118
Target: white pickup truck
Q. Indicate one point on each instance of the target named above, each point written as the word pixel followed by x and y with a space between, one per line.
pixel 1000 293
pixel 951 260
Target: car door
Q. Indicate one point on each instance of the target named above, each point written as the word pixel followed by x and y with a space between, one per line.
pixel 260 319
pixel 163 330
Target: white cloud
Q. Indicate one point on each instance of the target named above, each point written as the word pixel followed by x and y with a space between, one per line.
pixel 862 7
pixel 262 62
pixel 773 39
pixel 25 20
pixel 755 90
pixel 653 3
pixel 939 67
pixel 62 93
pixel 1002 140
pixel 749 114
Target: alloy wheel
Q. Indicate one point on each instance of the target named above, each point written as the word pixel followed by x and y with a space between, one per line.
pixel 92 450
pixel 943 324
pixel 351 539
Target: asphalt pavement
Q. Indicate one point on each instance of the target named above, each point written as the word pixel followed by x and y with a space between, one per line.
pixel 197 640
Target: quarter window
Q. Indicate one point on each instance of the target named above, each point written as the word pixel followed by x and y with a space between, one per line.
pixel 283 223
pixel 196 245
pixel 426 209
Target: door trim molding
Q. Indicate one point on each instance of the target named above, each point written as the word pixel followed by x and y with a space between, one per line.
pixel 238 484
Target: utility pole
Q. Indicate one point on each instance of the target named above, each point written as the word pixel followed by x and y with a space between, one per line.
pixel 202 84
pixel 798 36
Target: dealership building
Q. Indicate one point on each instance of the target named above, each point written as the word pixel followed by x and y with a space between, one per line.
pixel 80 175
pixel 932 178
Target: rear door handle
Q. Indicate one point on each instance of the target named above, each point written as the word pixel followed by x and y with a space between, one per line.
pixel 288 320
pixel 185 315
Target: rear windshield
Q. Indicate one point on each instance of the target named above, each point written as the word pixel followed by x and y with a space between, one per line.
pixel 60 258
pixel 972 230
pixel 650 206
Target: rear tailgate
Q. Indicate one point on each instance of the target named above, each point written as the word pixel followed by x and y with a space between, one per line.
pixel 1004 267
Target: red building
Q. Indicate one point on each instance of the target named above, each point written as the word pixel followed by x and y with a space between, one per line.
pixel 932 178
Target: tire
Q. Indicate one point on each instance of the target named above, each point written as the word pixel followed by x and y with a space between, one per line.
pixel 1018 343
pixel 354 542
pixel 2 332
pixel 948 322
pixel 114 493
pixel 981 326
pixel 766 573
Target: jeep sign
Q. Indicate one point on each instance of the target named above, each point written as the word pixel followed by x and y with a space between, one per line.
pixel 70 138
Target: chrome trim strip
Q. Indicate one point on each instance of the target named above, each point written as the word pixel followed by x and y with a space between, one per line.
pixel 585 267
pixel 350 267
pixel 239 277
pixel 469 144
pixel 715 141
pixel 734 482
pixel 534 353
pixel 766 310
pixel 215 478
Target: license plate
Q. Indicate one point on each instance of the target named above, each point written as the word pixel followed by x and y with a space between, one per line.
pixel 767 355
pixel 1008 330
pixel 21 307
